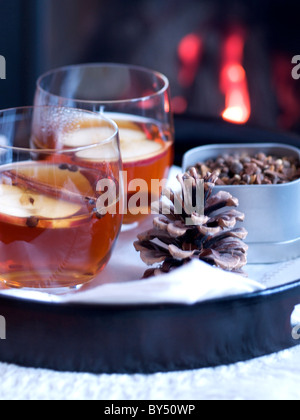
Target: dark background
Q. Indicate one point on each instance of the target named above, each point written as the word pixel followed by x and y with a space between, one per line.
pixel 38 35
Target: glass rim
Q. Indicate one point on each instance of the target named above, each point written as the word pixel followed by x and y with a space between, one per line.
pixel 141 69
pixel 60 151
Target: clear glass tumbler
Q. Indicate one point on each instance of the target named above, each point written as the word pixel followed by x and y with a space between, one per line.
pixel 138 100
pixel 58 221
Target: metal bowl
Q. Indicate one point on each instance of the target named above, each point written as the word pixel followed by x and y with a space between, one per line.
pixel 272 211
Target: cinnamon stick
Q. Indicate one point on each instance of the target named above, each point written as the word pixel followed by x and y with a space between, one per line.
pixel 39 187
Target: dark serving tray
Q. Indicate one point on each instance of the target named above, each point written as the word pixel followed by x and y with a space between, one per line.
pixel 148 339
pixel 152 338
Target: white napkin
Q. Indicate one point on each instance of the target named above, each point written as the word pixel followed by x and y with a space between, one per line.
pixel 195 282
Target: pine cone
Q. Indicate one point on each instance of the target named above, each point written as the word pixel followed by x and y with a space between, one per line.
pixel 209 235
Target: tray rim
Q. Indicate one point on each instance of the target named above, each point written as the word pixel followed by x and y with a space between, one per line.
pixel 81 350
pixel 283 289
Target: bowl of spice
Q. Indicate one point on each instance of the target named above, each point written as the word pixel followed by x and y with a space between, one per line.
pixel 266 180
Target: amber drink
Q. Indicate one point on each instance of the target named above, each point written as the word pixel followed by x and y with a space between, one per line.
pixel 147 154
pixel 53 234
pixel 146 151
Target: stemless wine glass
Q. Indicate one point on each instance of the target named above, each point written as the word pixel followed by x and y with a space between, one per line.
pixel 59 205
pixel 138 100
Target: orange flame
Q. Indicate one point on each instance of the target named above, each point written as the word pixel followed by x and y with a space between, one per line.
pixel 233 81
pixel 190 51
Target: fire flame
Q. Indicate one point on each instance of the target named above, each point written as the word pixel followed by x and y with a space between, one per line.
pixel 234 82
pixel 190 51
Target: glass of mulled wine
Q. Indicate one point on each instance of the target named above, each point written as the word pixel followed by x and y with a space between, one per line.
pixel 138 100
pixel 58 222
